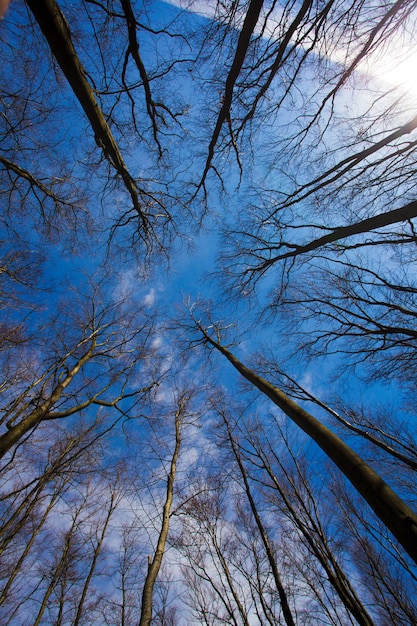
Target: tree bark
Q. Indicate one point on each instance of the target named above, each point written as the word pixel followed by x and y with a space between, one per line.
pixel 385 503
pixel 56 31
pixel 154 563
pixel 17 431
pixel 289 620
pixel 248 27
pixel 402 214
pixel 111 508
pixel 316 540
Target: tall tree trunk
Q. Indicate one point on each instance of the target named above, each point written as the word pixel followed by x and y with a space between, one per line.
pixel 385 503
pixel 28 546
pixel 154 564
pixel 97 549
pixel 262 531
pixel 56 575
pixel 314 536
pixel 56 31
pixel 248 27
pixel 403 214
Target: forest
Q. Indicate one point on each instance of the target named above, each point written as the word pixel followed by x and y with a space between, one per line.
pixel 208 312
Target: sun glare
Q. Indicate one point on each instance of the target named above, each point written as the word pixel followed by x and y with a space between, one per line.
pixel 397 67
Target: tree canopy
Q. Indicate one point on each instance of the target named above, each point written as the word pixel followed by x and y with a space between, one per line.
pixel 208 307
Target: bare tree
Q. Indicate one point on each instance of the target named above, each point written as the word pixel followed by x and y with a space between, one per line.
pixel 33 515
pixel 392 511
pixel 389 581
pixel 377 426
pixel 155 561
pixel 122 125
pixel 288 617
pixel 218 590
pixel 297 500
pixel 79 372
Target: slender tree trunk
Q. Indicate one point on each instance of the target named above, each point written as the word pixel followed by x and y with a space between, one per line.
pixel 316 539
pixel 229 578
pixel 17 431
pixel 13 525
pixel 248 27
pixel 28 546
pixel 97 549
pixel 55 578
pixel 402 214
pixel 385 503
pixel 154 564
pixel 264 536
pixel 359 430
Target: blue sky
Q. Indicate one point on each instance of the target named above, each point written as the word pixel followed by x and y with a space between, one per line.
pixel 76 258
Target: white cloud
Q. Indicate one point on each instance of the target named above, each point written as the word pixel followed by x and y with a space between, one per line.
pixel 149 298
